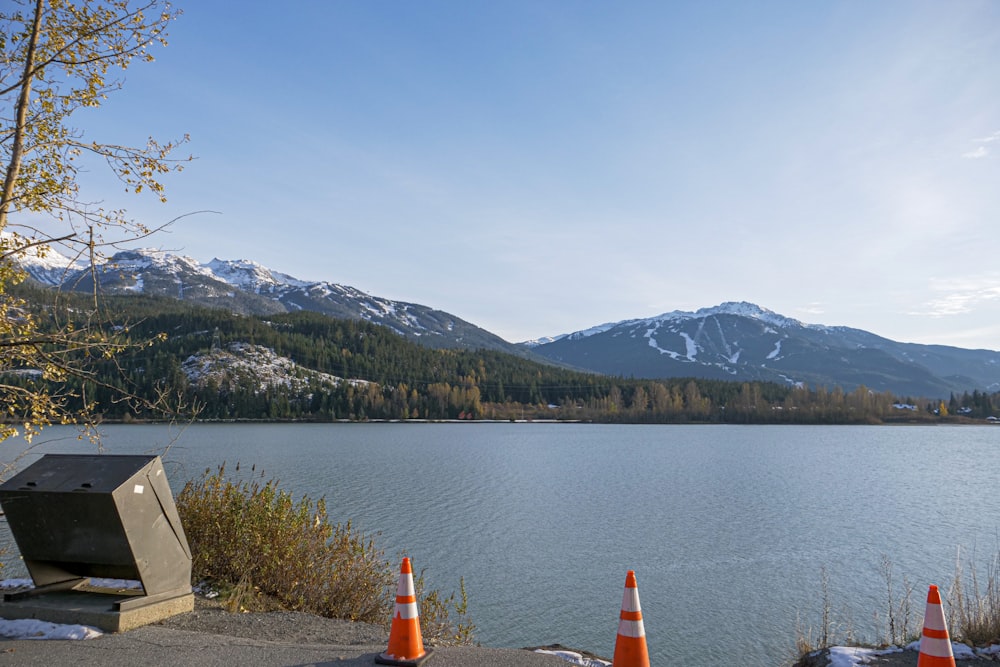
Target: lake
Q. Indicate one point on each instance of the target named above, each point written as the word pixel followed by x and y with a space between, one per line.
pixel 730 529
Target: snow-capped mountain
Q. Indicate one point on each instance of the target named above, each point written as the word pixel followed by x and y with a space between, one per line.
pixel 251 276
pixel 49 267
pixel 247 287
pixel 732 341
pixel 742 341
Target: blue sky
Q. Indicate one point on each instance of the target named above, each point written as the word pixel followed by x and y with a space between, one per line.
pixel 538 167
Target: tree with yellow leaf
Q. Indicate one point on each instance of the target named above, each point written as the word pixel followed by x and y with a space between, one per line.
pixel 58 57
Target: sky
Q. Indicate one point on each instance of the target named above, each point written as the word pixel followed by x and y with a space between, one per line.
pixel 538 167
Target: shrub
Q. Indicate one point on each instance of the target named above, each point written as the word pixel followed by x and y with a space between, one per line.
pixel 254 537
pixel 436 623
pixel 250 539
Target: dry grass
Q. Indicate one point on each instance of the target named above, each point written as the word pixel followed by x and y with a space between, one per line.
pixel 974 605
pixel 972 610
pixel 896 627
pixel 832 629
pixel 807 638
pixel 436 621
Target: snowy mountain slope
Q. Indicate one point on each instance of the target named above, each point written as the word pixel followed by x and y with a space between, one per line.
pixel 48 267
pixel 246 287
pixel 744 342
pixel 247 365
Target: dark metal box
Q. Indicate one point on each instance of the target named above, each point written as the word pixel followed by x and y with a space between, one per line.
pixel 75 516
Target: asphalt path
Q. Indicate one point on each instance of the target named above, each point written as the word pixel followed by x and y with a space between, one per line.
pixel 210 636
pixel 155 646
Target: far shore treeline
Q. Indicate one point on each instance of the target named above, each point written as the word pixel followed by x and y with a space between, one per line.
pixel 196 351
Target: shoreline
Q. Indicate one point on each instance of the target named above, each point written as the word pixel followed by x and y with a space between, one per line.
pixel 956 421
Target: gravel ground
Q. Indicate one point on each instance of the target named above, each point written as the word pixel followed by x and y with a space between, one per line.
pixel 293 627
pixel 286 626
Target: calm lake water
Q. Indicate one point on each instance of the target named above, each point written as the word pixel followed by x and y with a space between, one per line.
pixel 729 528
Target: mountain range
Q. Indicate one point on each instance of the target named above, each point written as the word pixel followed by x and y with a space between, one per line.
pixel 245 287
pixel 744 342
pixel 733 341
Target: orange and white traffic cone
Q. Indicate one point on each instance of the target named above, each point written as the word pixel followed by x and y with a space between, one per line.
pixel 406 644
pixel 630 646
pixel 935 645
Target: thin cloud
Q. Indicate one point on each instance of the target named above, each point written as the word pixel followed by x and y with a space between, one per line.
pixel 981 150
pixel 960 296
pixel 814 308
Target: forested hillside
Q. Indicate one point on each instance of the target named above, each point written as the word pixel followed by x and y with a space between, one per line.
pixel 308 366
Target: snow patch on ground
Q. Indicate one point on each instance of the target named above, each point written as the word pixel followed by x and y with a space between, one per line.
pixel 575 658
pixel 852 656
pixel 30 628
pixel 961 651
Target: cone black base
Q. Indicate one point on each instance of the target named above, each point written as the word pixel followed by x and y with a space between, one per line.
pixel 383 659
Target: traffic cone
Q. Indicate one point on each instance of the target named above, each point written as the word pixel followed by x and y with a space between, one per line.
pixel 935 645
pixel 630 645
pixel 406 644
